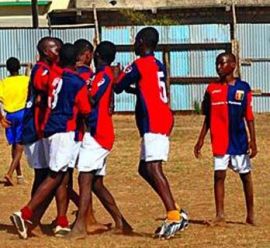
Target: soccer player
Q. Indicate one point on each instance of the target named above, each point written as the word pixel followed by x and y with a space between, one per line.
pixel 154 121
pixel 96 145
pixel 13 94
pixel 67 97
pixel 84 59
pixel 36 114
pixel 227 106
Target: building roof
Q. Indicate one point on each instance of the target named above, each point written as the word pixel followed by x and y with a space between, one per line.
pixel 142 4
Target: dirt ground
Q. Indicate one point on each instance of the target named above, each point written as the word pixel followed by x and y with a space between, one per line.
pixel 192 184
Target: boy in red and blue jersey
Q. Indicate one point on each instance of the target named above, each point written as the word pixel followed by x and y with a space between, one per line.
pixel 36 113
pixel 84 58
pixel 154 121
pixel 227 107
pixel 67 97
pixel 97 144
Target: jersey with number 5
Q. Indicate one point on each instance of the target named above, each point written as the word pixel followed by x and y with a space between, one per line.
pixel 67 98
pixel 153 113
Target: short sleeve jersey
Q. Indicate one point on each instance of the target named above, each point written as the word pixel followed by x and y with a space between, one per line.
pixel 226 108
pixel 67 98
pixel 153 113
pixel 86 74
pixel 100 122
pixel 13 92
pixel 36 105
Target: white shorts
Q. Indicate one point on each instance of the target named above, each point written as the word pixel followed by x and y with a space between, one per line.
pixel 37 154
pixel 92 156
pixel 75 154
pixel 61 150
pixel 238 163
pixel 154 147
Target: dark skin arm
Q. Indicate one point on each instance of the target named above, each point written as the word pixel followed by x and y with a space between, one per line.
pixel 4 122
pixel 252 143
pixel 200 142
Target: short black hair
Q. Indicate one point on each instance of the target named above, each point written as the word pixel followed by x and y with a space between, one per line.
pixel 83 45
pixel 231 56
pixel 59 41
pixel 42 44
pixel 106 51
pixel 13 64
pixel 149 37
pixel 67 55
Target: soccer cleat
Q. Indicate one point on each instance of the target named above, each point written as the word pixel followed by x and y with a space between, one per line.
pixel 60 231
pixel 169 228
pixel 20 224
pixel 184 220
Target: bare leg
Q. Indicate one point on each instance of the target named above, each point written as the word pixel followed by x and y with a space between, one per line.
pixel 40 176
pixel 45 189
pixel 248 190
pixel 16 152
pixel 92 224
pixel 85 184
pixel 62 200
pixel 219 180
pixel 153 174
pixel 109 203
pixel 72 194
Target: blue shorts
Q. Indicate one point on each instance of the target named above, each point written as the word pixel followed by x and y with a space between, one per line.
pixel 14 132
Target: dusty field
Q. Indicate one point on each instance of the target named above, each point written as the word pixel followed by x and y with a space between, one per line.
pixel 191 182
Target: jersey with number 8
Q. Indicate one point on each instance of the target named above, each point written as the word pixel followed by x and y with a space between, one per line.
pixel 153 113
pixel 68 97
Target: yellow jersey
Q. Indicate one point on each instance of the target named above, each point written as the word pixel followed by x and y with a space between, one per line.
pixel 13 92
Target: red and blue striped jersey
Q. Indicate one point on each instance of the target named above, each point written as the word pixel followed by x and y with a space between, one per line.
pixel 100 122
pixel 226 108
pixel 86 74
pixel 36 110
pixel 67 98
pixel 152 111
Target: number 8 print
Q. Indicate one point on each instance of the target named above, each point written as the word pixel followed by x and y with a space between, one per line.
pixel 57 85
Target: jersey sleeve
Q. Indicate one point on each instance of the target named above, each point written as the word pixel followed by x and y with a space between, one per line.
pixel 40 78
pixel 82 101
pixel 249 112
pixel 98 88
pixel 129 76
pixel 206 103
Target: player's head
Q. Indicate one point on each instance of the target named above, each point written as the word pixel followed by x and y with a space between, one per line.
pixel 13 65
pixel 84 51
pixel 59 42
pixel 67 55
pixel 104 53
pixel 48 49
pixel 146 41
pixel 225 64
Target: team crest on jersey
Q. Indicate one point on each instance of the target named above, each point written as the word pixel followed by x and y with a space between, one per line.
pixel 102 81
pixel 128 69
pixel 44 73
pixel 239 95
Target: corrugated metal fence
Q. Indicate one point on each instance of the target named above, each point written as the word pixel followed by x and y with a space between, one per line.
pixel 182 63
pixel 254 52
pixel 255 56
pixel 21 43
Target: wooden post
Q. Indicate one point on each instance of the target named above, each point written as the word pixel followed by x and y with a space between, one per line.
pixel 34 14
pixel 166 61
pixel 235 43
pixel 97 38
